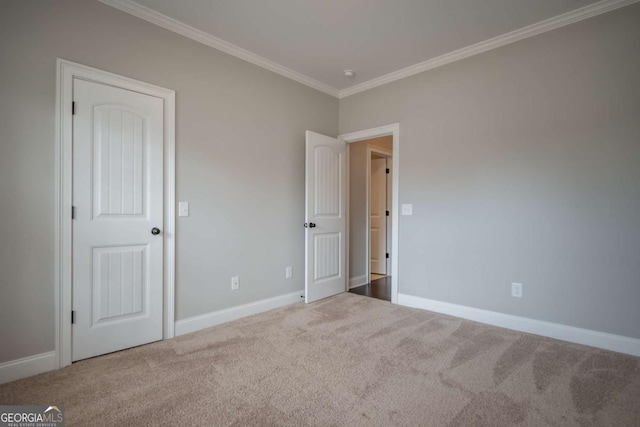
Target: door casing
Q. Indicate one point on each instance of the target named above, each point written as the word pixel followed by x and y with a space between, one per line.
pixel 394 131
pixel 66 72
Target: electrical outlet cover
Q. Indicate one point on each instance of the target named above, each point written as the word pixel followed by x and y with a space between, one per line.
pixel 516 290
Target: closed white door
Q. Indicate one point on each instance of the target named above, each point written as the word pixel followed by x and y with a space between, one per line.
pixel 378 216
pixel 325 214
pixel 117 230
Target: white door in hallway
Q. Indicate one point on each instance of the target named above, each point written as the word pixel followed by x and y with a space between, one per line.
pixel 118 219
pixel 325 217
pixel 378 216
pixel 388 220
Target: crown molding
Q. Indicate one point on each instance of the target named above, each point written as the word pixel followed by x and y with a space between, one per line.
pixel 176 26
pixel 135 9
pixel 571 17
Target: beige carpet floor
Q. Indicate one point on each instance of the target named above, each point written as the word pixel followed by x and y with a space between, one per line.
pixel 345 361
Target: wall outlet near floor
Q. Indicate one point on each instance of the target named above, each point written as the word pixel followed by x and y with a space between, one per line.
pixel 516 290
pixel 288 272
pixel 235 283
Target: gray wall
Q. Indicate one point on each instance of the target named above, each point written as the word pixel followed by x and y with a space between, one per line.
pixel 240 160
pixel 523 165
pixel 358 256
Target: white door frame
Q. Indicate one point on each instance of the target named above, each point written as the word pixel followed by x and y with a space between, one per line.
pixel 393 130
pixel 66 72
pixel 371 149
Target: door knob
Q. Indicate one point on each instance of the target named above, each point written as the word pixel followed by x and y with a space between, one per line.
pixel 310 225
pixel 155 231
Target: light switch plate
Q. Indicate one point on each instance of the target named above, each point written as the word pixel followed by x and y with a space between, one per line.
pixel 407 209
pixel 183 208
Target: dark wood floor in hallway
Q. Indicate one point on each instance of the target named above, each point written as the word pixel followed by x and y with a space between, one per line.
pixel 379 288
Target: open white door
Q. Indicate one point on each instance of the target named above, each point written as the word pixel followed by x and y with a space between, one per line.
pixel 378 217
pixel 325 217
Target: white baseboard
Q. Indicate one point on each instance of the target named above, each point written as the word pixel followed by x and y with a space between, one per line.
pixel 588 337
pixel 27 366
pixel 203 321
pixel 354 282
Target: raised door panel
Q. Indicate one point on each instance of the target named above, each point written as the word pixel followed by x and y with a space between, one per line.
pixel 119 161
pixel 120 285
pixel 328 177
pixel 327 256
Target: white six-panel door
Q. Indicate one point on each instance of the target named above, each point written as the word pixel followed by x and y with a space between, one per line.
pixel 118 200
pixel 378 216
pixel 325 217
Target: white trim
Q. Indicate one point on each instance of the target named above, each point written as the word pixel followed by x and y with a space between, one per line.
pixel 176 26
pixel 27 366
pixel 394 130
pixel 347 233
pixel 164 21
pixel 562 20
pixel 572 334
pixel 367 238
pixel 196 323
pixel 357 281
pixel 66 72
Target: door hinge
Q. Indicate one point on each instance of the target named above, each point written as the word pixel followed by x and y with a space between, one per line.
pixel 387 213
pixel 73 108
pixel 73 212
pixel 388 170
pixel 73 317
pixel 387 255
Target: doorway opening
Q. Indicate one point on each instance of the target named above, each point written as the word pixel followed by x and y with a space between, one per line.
pixel 327 213
pixel 370 216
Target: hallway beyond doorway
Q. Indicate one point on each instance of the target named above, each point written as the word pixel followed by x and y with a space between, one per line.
pixel 378 288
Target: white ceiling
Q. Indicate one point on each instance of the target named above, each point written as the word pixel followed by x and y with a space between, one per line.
pixel 321 38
